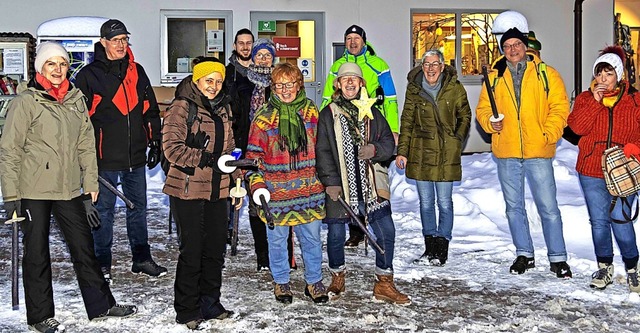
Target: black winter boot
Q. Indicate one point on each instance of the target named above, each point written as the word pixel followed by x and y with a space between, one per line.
pixel 429 250
pixel 442 251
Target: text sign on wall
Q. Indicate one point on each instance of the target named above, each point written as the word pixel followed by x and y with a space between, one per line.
pixel 266 26
pixel 288 47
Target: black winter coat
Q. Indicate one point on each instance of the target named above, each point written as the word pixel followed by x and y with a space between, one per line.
pixel 239 88
pixel 327 161
pixel 123 110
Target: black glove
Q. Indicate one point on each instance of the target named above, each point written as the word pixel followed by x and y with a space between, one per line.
pixel 367 152
pixel 333 192
pixel 379 96
pixel 209 160
pixel 154 154
pixel 93 217
pixel 12 207
pixel 198 140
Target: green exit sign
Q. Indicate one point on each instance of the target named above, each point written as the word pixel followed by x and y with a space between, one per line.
pixel 266 26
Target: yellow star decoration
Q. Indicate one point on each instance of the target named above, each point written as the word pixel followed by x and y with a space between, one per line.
pixel 364 105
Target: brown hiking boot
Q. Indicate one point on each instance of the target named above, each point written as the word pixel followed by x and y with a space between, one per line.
pixel 336 288
pixel 385 290
pixel 317 292
pixel 283 293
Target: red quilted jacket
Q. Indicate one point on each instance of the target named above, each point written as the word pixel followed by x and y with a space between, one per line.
pixel 592 120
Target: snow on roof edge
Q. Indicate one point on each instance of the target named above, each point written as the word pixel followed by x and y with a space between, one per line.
pixel 71 26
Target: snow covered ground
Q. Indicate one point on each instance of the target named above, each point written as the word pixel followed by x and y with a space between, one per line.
pixel 473 292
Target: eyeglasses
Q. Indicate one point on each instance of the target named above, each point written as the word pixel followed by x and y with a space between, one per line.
pixel 119 41
pixel 264 56
pixel 288 85
pixel 514 46
pixel 432 64
pixel 349 78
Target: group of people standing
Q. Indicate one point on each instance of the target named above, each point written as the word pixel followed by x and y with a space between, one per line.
pixel 315 165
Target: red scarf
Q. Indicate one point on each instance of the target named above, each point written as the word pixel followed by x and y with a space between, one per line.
pixel 57 93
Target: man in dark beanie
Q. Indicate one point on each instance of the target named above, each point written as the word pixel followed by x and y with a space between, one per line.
pixel 379 83
pixel 513 33
pixel 533 113
pixel 126 119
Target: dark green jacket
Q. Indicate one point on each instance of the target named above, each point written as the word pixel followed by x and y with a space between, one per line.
pixel 432 132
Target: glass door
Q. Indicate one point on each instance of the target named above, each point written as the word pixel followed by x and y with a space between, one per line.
pixel 299 39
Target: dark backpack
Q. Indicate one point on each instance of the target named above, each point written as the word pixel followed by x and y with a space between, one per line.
pixel 191 118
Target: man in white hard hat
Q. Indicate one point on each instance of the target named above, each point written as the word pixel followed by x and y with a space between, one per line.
pixel 533 114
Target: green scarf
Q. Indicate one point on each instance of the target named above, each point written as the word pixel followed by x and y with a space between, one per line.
pixel 352 119
pixel 293 135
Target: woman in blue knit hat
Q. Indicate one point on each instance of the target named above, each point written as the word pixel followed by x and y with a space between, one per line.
pixel 263 55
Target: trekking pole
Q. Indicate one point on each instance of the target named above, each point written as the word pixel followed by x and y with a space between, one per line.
pixel 361 225
pixel 237 193
pixel 116 192
pixel 228 163
pixel 15 301
pixel 496 117
pixel 170 219
pixel 261 197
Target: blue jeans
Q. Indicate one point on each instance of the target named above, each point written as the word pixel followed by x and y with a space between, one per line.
pixel 134 186
pixel 539 174
pixel 385 232
pixel 598 201
pixel 427 191
pixel 310 243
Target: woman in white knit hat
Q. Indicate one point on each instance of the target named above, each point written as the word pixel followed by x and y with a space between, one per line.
pixel 48 165
pixel 606 115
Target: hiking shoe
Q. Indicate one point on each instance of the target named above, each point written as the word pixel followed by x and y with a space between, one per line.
pixel 385 290
pixel 148 267
pixel 632 280
pixel 118 311
pixel 521 264
pixel 213 309
pixel 603 277
pixel 317 292
pixel 106 272
pixel 195 325
pixel 47 326
pixel 336 288
pixel 283 293
pixel 561 269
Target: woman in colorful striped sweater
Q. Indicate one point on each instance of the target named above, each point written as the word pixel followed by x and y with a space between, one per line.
pixel 283 136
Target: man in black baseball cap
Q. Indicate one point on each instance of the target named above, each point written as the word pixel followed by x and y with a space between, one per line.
pixel 113 28
pixel 121 99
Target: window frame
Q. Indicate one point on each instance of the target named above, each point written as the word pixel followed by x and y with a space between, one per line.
pixel 464 79
pixel 166 14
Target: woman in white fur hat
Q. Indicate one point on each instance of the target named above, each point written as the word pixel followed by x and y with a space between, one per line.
pixel 606 115
pixel 48 165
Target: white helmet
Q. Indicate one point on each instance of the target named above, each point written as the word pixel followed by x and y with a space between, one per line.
pixel 509 19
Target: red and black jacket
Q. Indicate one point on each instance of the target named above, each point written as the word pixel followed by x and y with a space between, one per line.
pixel 123 110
